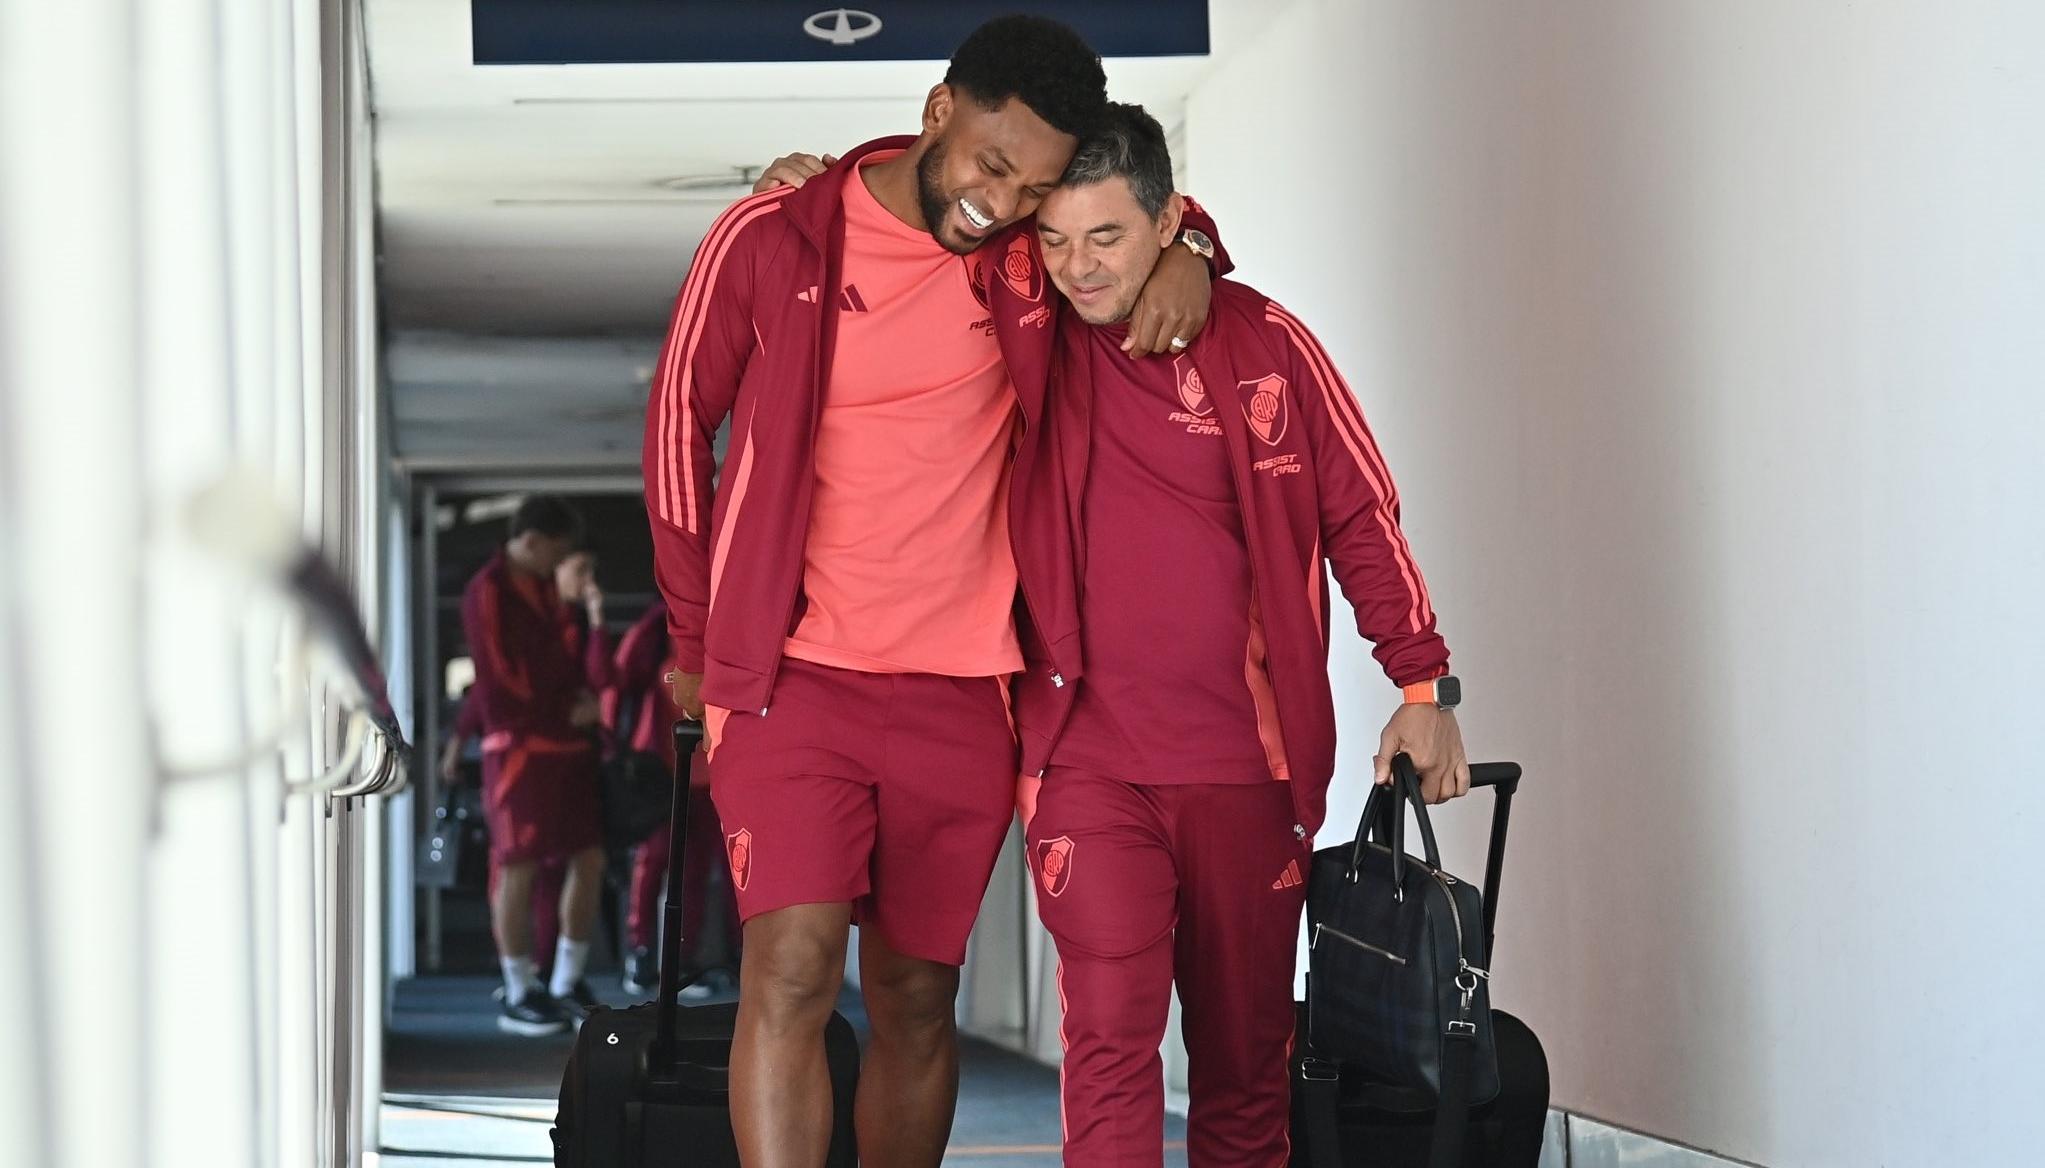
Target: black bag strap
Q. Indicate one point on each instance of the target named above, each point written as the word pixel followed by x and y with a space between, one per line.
pixel 1452 1113
pixel 687 735
pixel 617 729
pixel 1320 1098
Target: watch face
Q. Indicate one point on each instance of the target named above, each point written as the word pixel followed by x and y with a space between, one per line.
pixel 1199 240
pixel 1448 692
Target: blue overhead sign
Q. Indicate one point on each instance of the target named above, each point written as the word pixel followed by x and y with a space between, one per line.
pixel 576 32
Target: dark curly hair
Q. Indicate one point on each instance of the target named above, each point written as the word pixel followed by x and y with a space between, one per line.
pixel 1044 64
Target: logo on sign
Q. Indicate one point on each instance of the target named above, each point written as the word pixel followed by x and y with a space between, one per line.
pixel 842 26
pixel 1264 406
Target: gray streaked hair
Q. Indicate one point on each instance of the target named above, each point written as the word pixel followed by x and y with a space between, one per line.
pixel 1128 143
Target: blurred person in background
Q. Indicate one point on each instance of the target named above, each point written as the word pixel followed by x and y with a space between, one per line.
pixel 537 673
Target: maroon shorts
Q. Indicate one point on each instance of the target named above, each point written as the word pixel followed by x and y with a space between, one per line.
pixel 540 799
pixel 889 792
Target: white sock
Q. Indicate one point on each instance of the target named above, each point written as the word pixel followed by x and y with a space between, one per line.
pixel 520 976
pixel 569 958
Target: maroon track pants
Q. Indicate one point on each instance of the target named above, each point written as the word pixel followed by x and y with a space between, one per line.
pixel 1144 885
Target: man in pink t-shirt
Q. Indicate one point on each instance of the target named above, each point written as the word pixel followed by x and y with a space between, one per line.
pixel 842 603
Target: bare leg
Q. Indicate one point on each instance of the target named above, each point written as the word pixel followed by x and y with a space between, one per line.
pixel 909 1079
pixel 511 910
pixel 780 1083
pixel 582 894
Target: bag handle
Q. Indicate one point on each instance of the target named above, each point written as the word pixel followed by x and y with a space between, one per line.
pixel 1383 811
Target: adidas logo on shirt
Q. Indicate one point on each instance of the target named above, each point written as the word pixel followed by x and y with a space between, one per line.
pixel 849 298
pixel 1290 878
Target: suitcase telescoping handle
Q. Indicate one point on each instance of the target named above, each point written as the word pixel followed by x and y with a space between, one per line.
pixel 1504 780
pixel 687 735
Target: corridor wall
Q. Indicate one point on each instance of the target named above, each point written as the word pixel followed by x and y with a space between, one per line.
pixel 1703 340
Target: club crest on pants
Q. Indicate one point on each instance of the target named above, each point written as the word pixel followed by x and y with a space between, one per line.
pixel 739 848
pixel 1054 864
pixel 1264 405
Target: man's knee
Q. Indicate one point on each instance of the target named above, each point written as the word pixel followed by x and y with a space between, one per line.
pixel 907 994
pixel 793 969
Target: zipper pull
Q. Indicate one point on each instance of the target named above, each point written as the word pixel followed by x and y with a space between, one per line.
pixel 1057 680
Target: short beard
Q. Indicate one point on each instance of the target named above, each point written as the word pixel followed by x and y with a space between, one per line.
pixel 935 206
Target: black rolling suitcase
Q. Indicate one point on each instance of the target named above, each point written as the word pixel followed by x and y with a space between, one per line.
pixel 647 1086
pixel 1342 1120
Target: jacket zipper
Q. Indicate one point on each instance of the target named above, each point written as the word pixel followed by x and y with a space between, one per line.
pixel 1339 935
pixel 1240 474
pixel 1023 582
pixel 827 321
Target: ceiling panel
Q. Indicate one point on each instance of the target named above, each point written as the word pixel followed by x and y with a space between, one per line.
pixel 529 201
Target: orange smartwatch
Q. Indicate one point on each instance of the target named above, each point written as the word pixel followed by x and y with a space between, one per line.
pixel 1443 693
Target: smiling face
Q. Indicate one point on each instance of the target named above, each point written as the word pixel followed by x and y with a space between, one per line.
pixel 1100 246
pixel 984 168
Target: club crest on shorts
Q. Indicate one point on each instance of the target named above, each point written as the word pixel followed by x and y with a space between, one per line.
pixel 738 847
pixel 1192 391
pixel 1265 406
pixel 1020 268
pixel 1054 864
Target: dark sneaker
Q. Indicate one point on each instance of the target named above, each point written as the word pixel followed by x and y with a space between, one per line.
pixel 535 1017
pixel 578 1002
pixel 642 972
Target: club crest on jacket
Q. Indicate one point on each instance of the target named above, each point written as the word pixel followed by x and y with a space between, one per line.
pixel 1264 404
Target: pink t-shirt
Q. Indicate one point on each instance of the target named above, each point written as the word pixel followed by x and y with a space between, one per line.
pixel 908 567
